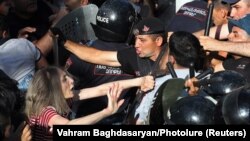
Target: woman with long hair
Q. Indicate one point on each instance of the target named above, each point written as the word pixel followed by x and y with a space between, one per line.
pixel 46 103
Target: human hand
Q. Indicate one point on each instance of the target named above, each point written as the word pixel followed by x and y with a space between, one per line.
pixel 113 103
pixel 193 90
pixel 26 32
pixel 26 133
pixel 210 44
pixel 148 83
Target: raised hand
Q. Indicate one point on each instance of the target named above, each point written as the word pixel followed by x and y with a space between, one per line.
pixel 193 90
pixel 113 102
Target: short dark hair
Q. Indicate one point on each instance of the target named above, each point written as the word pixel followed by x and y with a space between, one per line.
pixel 221 4
pixel 186 49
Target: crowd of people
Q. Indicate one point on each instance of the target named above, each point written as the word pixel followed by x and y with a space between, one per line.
pixel 145 66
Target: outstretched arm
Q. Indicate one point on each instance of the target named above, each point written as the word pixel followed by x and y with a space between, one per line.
pixel 113 104
pixel 92 55
pixel 239 48
pixel 146 83
pixel 86 53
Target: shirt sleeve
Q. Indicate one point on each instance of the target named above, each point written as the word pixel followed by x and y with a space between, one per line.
pixel 128 60
pixel 47 114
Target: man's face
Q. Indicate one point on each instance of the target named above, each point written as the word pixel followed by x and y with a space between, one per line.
pixel 238 35
pixel 239 10
pixel 146 46
pixel 25 6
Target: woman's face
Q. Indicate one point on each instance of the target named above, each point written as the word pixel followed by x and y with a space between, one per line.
pixel 67 84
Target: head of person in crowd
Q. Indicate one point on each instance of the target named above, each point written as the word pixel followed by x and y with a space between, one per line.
pixel 8 104
pixel 240 30
pixel 73 4
pixel 49 87
pixel 9 93
pixel 25 8
pixel 150 36
pixel 4 7
pixel 220 12
pixel 11 107
pixel 185 50
pixel 114 21
pixel 239 8
pixel 191 17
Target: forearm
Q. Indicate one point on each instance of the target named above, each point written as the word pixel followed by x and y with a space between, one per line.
pixel 239 48
pixel 45 44
pixel 102 90
pixel 82 51
pixel 92 55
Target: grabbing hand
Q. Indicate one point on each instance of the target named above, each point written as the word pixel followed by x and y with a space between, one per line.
pixel 148 83
pixel 190 84
pixel 210 44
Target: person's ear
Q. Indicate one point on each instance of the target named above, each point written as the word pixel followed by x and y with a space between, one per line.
pixel 5 34
pixel 224 13
pixel 159 41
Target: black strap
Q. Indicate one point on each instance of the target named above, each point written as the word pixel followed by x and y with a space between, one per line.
pixel 217 33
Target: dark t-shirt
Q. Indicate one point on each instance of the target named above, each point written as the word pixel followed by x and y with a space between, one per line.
pixel 241 65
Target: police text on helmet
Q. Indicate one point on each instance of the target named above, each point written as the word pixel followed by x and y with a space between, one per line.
pixel 102 19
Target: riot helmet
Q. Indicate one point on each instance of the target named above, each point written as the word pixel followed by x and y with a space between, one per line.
pixel 114 21
pixel 236 107
pixel 192 110
pixel 224 82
